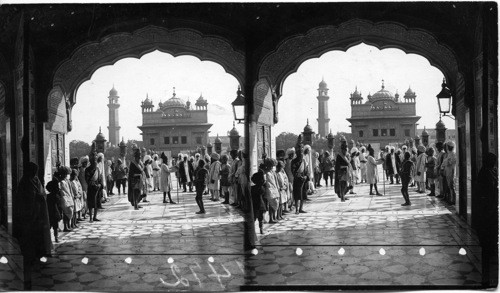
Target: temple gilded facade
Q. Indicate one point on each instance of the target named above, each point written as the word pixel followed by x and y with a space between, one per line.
pixel 175 127
pixel 383 118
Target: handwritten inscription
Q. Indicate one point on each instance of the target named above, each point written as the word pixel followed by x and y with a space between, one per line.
pixel 184 282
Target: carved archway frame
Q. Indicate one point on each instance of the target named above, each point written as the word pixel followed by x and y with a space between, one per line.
pixel 89 57
pixel 292 52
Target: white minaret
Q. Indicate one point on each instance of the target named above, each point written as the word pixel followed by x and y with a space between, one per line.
pixel 323 120
pixel 114 125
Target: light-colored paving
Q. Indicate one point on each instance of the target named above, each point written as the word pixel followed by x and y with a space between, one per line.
pixel 368 240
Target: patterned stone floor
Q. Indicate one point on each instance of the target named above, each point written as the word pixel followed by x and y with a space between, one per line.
pixel 365 241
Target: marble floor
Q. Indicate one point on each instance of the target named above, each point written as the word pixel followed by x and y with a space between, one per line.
pixel 365 242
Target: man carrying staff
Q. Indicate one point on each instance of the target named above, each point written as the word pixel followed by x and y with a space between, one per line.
pixel 299 169
pixel 93 177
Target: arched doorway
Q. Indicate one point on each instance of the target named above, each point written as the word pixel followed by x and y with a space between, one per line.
pixel 291 53
pixel 88 57
pixel 145 92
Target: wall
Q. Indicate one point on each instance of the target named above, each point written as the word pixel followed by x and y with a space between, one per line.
pixel 3 160
pixel 363 110
pixel 159 132
pixel 399 124
pixel 191 116
pixel 261 129
pixel 57 125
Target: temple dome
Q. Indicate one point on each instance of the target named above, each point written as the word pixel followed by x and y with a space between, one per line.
pixel 217 139
pixel 308 127
pixel 174 102
pixel 234 131
pixel 100 136
pixel 425 133
pixel 382 95
pixel 356 94
pixel 113 92
pixel 440 124
pixel 323 84
pixel 409 92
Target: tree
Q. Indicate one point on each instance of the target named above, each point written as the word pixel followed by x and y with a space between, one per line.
pixel 78 149
pixel 112 153
pixel 129 155
pixel 320 144
pixel 286 140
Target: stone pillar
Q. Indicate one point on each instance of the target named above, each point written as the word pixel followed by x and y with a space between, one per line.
pixel 100 142
pixel 209 148
pixel 440 131
pixel 218 145
pixel 234 138
pixel 308 134
pixel 425 138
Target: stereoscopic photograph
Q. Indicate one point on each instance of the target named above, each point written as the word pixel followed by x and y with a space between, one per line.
pixel 246 146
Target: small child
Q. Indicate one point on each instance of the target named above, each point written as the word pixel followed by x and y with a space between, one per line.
pixel 283 188
pixel 258 192
pixel 406 171
pixel 77 196
pixel 54 206
pixel 272 190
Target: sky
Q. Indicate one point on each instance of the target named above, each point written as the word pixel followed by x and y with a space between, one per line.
pixel 364 67
pixel 157 73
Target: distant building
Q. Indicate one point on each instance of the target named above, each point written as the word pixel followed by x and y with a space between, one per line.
pixel 175 126
pixel 451 134
pixel 383 118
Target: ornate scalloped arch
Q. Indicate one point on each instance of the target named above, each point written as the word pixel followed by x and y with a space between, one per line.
pixel 292 52
pixel 89 57
pixel 263 104
pixel 58 114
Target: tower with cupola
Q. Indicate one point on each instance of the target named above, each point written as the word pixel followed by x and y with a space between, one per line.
pixel 114 124
pixel 323 120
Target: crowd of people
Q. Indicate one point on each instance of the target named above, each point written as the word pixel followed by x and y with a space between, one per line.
pixel 80 190
pixel 282 185
pixel 279 187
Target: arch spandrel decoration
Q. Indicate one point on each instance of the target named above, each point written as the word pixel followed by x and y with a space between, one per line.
pixel 91 56
pixel 263 102
pixel 58 116
pixel 292 52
